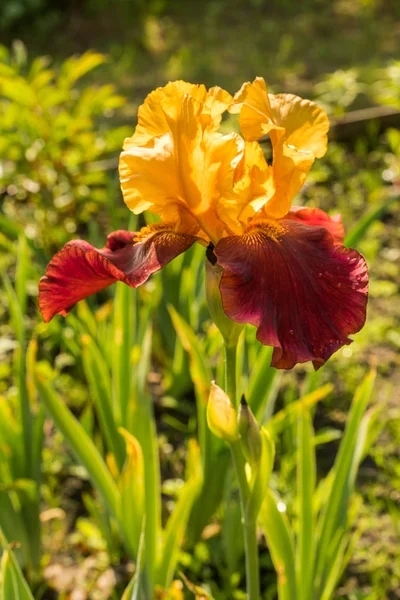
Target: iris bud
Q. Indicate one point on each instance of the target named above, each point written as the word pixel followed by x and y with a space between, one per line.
pixel 221 415
pixel 229 329
pixel 250 436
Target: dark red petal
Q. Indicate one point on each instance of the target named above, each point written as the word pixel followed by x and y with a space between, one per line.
pixel 304 293
pixel 79 269
pixel 319 218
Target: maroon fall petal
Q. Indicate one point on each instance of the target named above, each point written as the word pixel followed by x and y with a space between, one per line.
pixel 318 218
pixel 305 294
pixel 79 269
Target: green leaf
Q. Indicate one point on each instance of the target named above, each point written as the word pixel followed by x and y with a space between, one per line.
pixel 280 543
pixel 231 527
pixel 97 374
pixel 15 311
pixel 177 522
pixel 261 384
pixel 334 515
pixel 12 524
pixel 122 340
pixel 13 583
pixel 76 67
pixel 282 419
pixel 20 372
pixel 131 484
pixel 21 274
pixel 306 477
pixel 261 476
pixel 214 453
pixel 356 234
pixel 138 588
pixel 81 444
pixel 142 426
pixel 341 558
pixel 201 374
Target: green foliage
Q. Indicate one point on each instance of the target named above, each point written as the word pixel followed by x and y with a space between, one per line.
pixel 322 536
pixel 54 143
pixel 386 89
pixel 21 434
pixel 13 583
pixel 128 482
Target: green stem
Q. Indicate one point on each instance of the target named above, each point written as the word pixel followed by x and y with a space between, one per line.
pixel 249 522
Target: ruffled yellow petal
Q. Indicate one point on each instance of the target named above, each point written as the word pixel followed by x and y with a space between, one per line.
pixel 217 102
pixel 162 108
pixel 298 131
pixel 305 124
pixel 253 186
pixel 181 173
pixel 252 102
pixel 290 169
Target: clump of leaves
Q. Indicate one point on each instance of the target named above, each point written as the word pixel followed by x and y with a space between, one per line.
pixel 55 136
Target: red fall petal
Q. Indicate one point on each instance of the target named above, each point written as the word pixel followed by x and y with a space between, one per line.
pixel 305 294
pixel 79 269
pixel 318 218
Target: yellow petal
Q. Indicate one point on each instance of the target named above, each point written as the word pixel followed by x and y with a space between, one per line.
pixel 147 174
pixel 298 132
pixel 185 169
pixel 290 169
pixel 161 110
pixel 217 102
pixel 305 124
pixel 252 102
pixel 252 189
pixel 295 149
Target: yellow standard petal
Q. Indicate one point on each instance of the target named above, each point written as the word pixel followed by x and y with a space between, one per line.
pixel 162 108
pixel 176 165
pixel 298 132
pixel 253 187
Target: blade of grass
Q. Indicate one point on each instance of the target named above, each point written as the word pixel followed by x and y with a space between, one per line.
pixel 21 273
pixel 123 336
pixel 37 410
pixel 31 447
pixel 97 374
pixel 81 444
pixel 261 382
pixel 131 484
pixel 20 372
pixel 86 318
pixel 177 522
pixel 215 454
pixel 340 560
pixel 142 426
pixel 138 588
pixel 281 545
pixel 334 516
pixel 12 524
pixel 306 477
pixel 281 419
pixel 13 583
pixel 356 233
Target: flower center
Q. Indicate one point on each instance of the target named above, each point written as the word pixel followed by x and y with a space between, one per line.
pixel 268 227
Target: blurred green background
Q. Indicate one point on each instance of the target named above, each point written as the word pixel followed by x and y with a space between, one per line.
pixel 72 75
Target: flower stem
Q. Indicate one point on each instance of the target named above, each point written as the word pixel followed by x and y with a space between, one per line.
pixel 249 523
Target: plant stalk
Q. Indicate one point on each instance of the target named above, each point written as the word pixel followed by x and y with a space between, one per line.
pixel 248 520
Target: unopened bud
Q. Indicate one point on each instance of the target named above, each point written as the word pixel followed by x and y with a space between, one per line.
pixel 250 436
pixel 221 415
pixel 229 329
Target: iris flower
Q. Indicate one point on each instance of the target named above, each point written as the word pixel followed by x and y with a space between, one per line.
pixel 284 269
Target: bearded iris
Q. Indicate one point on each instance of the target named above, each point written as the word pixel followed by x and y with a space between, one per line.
pixel 283 269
